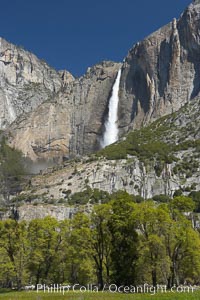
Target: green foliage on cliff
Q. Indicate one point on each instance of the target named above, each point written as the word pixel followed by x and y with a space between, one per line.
pixel 187 166
pixel 195 195
pixel 152 143
pixel 144 143
pixel 94 196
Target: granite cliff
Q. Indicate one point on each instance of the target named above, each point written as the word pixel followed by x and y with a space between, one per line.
pixel 159 75
pixel 25 82
pixel 71 122
pixel 170 164
pixel 49 114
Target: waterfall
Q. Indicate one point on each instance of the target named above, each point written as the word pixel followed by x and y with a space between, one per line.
pixel 111 128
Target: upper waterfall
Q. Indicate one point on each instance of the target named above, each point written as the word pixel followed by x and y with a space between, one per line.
pixel 111 128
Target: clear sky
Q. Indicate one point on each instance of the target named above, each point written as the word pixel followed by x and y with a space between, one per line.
pixel 75 34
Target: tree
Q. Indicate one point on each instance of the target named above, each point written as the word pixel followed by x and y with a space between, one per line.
pixel 195 195
pixel 165 242
pixel 60 272
pixel 101 242
pixel 189 270
pixel 124 239
pixel 44 243
pixel 13 247
pixel 182 204
pixel 176 236
pixel 79 263
pixel 161 198
pixel 153 263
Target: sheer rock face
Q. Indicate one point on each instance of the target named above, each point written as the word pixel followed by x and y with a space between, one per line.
pixel 49 113
pixel 88 98
pixel 72 122
pixel 31 212
pixel 25 82
pixel 162 72
pixel 159 75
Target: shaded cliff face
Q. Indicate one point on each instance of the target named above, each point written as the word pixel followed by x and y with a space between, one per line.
pixel 159 75
pixel 162 72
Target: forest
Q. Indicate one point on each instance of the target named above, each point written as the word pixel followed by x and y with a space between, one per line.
pixel 123 241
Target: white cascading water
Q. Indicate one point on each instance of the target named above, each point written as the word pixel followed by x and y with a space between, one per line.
pixel 111 128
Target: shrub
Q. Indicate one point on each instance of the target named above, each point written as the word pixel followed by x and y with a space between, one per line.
pixel 161 198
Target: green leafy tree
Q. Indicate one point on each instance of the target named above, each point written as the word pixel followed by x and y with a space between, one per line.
pixel 153 263
pixel 195 195
pixel 189 267
pixel 44 243
pixel 79 263
pixel 124 239
pixel 13 247
pixel 182 204
pixel 60 272
pixel 166 242
pixel 176 236
pixel 101 242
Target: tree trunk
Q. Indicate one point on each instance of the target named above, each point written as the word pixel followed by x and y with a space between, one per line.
pixel 37 278
pixel 107 274
pixel 169 282
pixel 154 277
pixel 19 284
pixel 100 278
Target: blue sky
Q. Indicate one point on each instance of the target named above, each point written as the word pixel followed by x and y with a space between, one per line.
pixel 75 34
